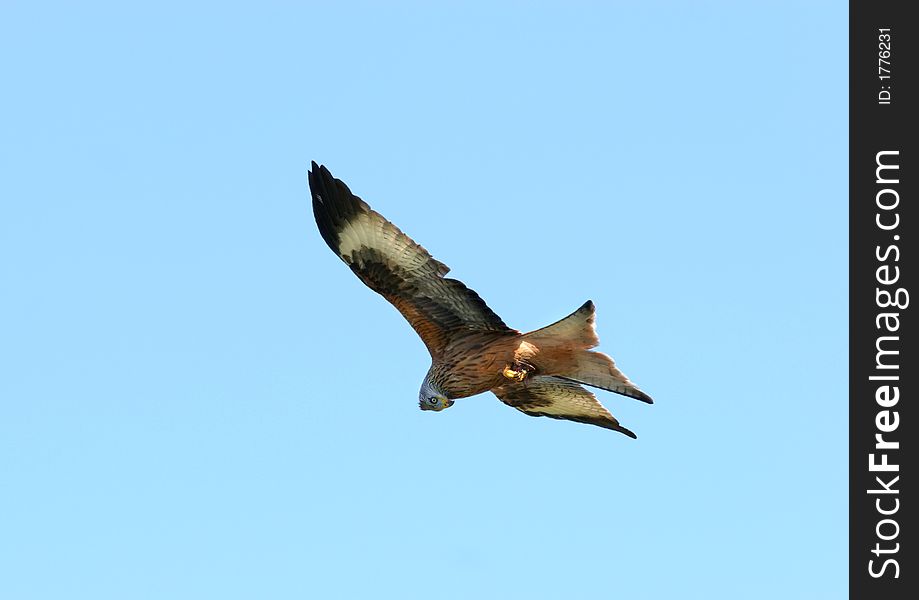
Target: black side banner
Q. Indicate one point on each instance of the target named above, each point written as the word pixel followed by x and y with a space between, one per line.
pixel 883 367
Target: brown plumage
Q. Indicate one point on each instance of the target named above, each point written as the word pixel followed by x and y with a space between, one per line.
pixel 472 350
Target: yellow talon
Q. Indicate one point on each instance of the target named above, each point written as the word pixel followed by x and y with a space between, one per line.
pixel 515 375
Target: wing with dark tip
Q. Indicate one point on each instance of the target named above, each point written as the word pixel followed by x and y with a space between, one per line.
pixel 558 398
pixel 393 265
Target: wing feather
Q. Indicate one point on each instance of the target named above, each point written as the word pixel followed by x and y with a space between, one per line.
pixel 556 398
pixel 393 265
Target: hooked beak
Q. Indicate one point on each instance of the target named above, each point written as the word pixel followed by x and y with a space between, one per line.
pixel 441 404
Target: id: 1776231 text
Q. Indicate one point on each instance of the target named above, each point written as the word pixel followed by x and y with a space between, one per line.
pixel 884 61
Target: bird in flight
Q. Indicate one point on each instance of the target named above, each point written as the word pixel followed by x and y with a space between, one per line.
pixel 472 351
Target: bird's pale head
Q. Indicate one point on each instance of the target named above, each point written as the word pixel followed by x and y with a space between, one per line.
pixel 431 398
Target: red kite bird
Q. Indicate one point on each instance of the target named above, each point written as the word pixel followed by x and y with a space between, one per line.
pixel 472 350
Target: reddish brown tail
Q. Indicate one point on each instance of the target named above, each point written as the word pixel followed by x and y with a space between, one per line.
pixel 565 347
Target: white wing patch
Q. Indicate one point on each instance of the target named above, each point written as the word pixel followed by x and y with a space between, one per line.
pixel 354 235
pixel 546 396
pixel 370 230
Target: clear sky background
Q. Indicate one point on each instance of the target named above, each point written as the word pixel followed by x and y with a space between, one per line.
pixel 199 400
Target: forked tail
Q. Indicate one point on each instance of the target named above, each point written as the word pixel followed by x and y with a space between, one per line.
pixel 565 348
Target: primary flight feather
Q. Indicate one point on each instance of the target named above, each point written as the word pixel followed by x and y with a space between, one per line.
pixel 472 350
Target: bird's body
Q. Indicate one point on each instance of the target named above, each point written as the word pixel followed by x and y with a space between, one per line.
pixel 472 365
pixel 472 350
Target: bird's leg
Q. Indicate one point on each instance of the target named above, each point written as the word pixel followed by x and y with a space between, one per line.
pixel 517 371
pixel 511 374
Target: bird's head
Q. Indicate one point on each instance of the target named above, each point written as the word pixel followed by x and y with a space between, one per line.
pixel 432 398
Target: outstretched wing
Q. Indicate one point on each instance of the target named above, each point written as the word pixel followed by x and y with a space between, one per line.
pixel 557 398
pixel 393 265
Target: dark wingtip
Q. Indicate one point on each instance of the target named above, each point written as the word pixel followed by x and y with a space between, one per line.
pixel 640 395
pixel 333 203
pixel 615 426
pixel 627 432
pixel 326 204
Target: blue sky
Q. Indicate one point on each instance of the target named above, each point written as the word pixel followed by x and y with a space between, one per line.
pixel 198 400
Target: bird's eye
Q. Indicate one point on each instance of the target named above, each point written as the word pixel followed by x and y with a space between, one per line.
pixel 432 400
